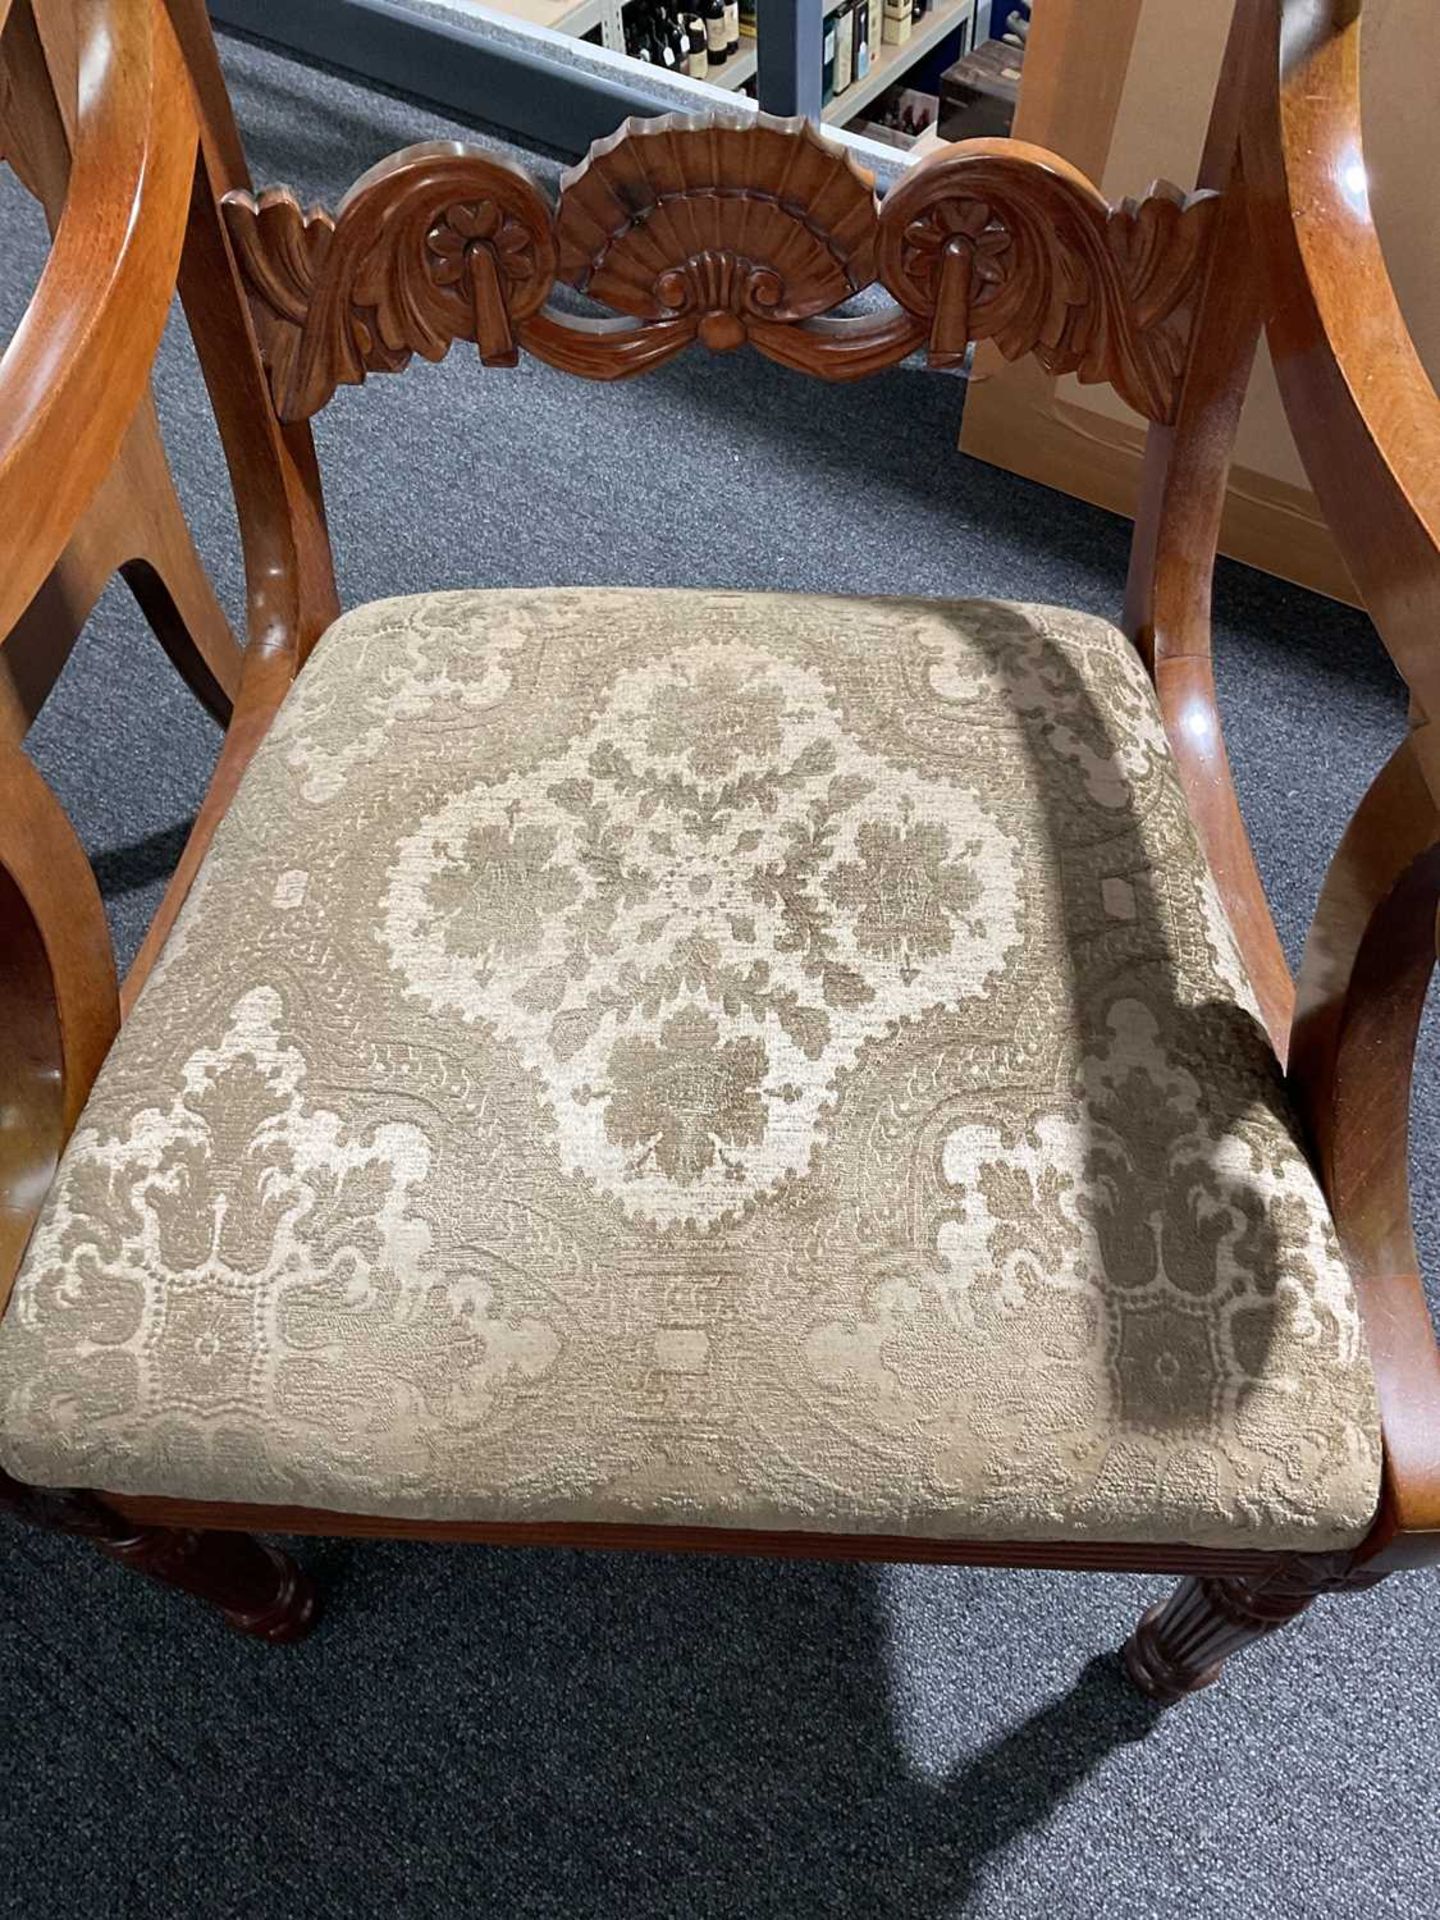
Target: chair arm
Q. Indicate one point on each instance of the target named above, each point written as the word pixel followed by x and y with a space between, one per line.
pixel 1360 404
pixel 1368 962
pixel 59 1007
pixel 78 364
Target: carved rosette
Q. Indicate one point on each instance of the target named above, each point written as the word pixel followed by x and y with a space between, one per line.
pixel 486 253
pixel 435 244
pixel 726 232
pixel 994 240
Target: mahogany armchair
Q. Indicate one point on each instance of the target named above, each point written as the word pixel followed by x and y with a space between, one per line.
pixel 739 1073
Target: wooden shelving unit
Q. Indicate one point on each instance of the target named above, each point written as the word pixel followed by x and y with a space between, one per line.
pixel 892 62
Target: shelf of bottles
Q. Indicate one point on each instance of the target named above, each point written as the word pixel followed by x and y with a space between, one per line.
pixel 868 45
pixel 711 40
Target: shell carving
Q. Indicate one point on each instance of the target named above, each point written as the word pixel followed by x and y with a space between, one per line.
pixel 751 220
pixel 727 231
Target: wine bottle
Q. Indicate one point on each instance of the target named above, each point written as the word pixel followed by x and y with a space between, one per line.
pixel 732 28
pixel 680 38
pixel 697 62
pixel 898 21
pixel 860 57
pixel 713 12
pixel 844 46
pixel 747 19
pixel 827 62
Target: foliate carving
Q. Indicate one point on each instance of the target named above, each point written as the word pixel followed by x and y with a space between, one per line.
pixel 435 244
pixel 280 247
pixel 726 232
pixel 994 240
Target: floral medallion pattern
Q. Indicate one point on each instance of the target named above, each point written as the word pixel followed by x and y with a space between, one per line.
pixel 715 885
pixel 705 1058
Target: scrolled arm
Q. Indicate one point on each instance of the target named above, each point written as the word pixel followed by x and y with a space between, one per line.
pixel 1360 404
pixel 1366 419
pixel 59 1008
pixel 77 365
pixel 1368 962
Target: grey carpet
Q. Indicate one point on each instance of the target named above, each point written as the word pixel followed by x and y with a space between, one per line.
pixel 474 1732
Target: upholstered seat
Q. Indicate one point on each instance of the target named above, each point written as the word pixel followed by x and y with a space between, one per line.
pixel 728 1059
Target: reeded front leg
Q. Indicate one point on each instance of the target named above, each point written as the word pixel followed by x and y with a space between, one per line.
pixel 1182 1644
pixel 257 1589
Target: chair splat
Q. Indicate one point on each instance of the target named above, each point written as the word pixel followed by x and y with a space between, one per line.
pixel 726 233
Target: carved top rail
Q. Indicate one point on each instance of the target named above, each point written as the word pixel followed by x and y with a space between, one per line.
pixel 725 232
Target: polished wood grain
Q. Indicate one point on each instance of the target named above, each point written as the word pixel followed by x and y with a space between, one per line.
pixel 727 234
pixel 997 240
pixel 1019 422
pixel 1368 962
pixel 1362 409
pixel 1182 1644
pixel 135 525
pixel 991 240
pixel 71 380
pixel 73 386
pixel 289 573
pixel 1177 536
pixel 74 371
pixel 1367 422
pixel 290 582
pixel 257 1590
pixel 1096 1556
pixel 58 1006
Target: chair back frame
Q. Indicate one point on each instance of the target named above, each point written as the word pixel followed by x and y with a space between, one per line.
pixel 688 230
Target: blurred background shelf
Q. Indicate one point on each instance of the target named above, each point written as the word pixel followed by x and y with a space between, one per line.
pixel 890 63
pixel 557 71
pixel 736 70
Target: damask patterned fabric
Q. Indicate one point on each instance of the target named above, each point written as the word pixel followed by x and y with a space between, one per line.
pixel 704 1058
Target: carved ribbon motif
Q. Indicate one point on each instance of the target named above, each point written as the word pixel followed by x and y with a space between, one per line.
pixel 727 233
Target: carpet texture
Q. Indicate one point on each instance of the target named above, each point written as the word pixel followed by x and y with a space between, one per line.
pixel 473 1732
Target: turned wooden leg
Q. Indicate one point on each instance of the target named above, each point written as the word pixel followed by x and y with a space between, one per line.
pixel 257 1589
pixel 1182 1644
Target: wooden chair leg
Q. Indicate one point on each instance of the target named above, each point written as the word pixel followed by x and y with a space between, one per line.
pixel 1182 1643
pixel 258 1590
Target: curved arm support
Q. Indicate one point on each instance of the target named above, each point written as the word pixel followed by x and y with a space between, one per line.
pixel 1367 965
pixel 1362 408
pixel 1168 595
pixel 58 1005
pixel 77 366
pixel 1177 536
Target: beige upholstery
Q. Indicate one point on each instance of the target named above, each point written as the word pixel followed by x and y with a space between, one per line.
pixel 710 1058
